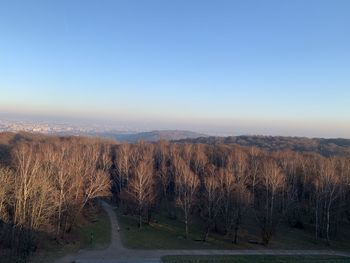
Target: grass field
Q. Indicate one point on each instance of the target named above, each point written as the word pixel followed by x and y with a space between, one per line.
pixel 166 233
pixel 80 238
pixel 254 259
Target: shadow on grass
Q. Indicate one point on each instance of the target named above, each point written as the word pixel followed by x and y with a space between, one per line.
pixel 254 259
pixel 93 232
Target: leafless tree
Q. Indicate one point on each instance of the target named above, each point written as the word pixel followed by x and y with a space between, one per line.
pixel 7 184
pixel 140 188
pixel 122 165
pixel 187 184
pixel 199 160
pixel 327 186
pixel 238 167
pixel 163 170
pixel 272 181
pixel 212 198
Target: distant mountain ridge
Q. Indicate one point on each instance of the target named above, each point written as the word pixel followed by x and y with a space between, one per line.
pixel 326 147
pixel 151 136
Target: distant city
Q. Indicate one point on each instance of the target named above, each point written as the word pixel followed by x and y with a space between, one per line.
pixel 46 127
pixel 121 133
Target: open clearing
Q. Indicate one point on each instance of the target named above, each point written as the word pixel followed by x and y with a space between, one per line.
pixel 254 259
pixel 116 252
pixel 98 225
pixel 167 233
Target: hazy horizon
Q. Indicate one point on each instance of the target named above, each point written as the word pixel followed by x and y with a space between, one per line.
pixel 221 68
pixel 240 127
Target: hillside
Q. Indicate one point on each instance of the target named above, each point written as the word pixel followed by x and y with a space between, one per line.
pixel 326 147
pixel 152 136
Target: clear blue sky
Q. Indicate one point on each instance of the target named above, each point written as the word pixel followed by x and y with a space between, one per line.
pixel 269 67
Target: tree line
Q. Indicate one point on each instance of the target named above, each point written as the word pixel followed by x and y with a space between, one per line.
pixel 221 184
pixel 46 187
pixel 49 182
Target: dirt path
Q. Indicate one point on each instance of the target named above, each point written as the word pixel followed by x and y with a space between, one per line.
pixel 117 253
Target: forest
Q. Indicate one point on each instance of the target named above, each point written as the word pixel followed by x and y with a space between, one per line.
pixel 47 182
pixel 326 147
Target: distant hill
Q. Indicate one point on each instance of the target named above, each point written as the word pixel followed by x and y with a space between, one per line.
pixel 152 136
pixel 326 147
pixel 120 136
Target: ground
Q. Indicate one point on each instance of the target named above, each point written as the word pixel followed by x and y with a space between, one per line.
pixel 116 252
pixel 254 259
pixel 80 238
pixel 166 233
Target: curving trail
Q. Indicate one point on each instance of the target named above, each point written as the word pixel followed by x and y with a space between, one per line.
pixel 117 253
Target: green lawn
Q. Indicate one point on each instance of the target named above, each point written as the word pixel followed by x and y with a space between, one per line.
pixel 100 228
pixel 254 259
pixel 98 224
pixel 166 233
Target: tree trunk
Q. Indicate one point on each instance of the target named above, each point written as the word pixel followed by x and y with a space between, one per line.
pixel 235 240
pixel 328 222
pixel 237 223
pixel 186 224
pixel 140 217
pixel 316 221
pixel 206 234
pixel 59 213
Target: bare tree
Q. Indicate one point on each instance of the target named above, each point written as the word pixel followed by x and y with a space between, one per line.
pixel 267 205
pixel 141 186
pixel 105 159
pixel 86 180
pixel 254 157
pixel 54 157
pixel 122 165
pixel 327 186
pixel 33 201
pixel 199 160
pixel 93 182
pixel 27 166
pixel 186 152
pixel 187 184
pixel 227 186
pixel 162 163
pixel 212 198
pixel 7 184
pixel 238 167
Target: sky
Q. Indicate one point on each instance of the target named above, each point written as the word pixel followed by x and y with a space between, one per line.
pixel 273 67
